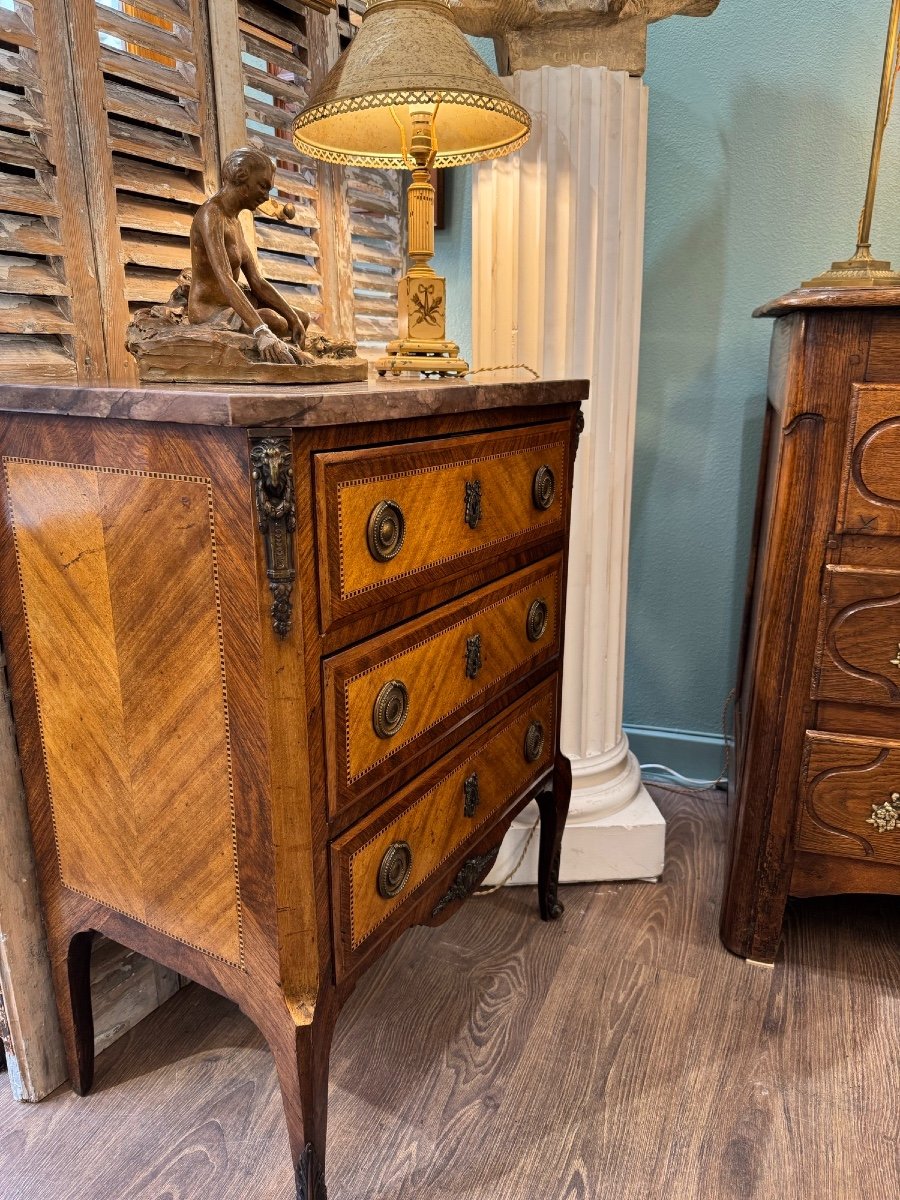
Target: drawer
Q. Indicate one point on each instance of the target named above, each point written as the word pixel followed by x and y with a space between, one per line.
pixel 385 863
pixel 859 638
pixel 389 698
pixel 870 500
pixel 397 519
pixel 851 798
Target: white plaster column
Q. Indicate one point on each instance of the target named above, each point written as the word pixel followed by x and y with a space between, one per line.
pixel 558 236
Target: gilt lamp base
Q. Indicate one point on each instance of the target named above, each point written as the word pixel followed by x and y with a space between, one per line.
pixel 422 358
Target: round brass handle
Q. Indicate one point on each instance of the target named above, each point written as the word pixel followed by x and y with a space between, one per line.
pixel 534 741
pixel 395 870
pixel 391 709
pixel 543 489
pixel 538 617
pixel 386 531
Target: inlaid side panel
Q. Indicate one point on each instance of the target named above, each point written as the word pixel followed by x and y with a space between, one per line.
pixel 119 579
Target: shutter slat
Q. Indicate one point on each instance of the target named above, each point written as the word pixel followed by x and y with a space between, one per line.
pixel 129 175
pixel 23 276
pixel 269 114
pixel 266 17
pixel 172 81
pixel 287 270
pixel 259 48
pixel 146 214
pixel 13 29
pixel 144 250
pixel 30 314
pixel 176 11
pixel 132 102
pixel 284 239
pixel 19 113
pixel 28 234
pixel 157 144
pixel 21 151
pixel 37 359
pixel 135 32
pixel 16 72
pixel 276 86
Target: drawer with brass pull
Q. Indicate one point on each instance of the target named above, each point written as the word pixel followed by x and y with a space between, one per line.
pixel 384 862
pixel 851 798
pixel 398 519
pixel 388 698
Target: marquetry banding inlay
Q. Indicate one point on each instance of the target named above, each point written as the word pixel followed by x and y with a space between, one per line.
pixel 542 518
pixel 529 650
pixel 504 752
pixel 131 697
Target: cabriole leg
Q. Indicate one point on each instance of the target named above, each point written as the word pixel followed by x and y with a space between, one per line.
pixel 554 807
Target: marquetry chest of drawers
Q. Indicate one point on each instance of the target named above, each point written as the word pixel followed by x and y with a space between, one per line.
pixel 283 668
pixel 817 780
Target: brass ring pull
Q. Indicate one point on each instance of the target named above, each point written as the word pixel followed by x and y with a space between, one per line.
pixel 386 531
pixel 391 709
pixel 538 617
pixel 543 490
pixel 534 742
pixel 472 795
pixel 395 870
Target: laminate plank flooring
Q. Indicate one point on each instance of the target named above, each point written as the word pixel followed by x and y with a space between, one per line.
pixel 621 1054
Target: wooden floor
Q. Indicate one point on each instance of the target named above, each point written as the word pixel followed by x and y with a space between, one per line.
pixel 619 1055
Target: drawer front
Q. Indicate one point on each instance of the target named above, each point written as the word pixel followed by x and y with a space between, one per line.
pixel 871 486
pixel 386 699
pixel 859 649
pixel 385 863
pixel 400 518
pixel 851 798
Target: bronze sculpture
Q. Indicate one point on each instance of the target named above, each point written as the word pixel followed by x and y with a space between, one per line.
pixel 214 330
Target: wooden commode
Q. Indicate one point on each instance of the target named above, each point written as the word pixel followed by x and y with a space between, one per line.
pixel 817 782
pixel 283 668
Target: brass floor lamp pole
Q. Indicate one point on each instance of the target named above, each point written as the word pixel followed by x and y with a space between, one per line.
pixel 863 270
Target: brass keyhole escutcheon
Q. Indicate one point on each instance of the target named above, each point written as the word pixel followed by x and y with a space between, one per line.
pixel 386 531
pixel 538 616
pixel 391 709
pixel 534 742
pixel 395 870
pixel 543 489
pixel 473 504
pixel 472 795
pixel 474 658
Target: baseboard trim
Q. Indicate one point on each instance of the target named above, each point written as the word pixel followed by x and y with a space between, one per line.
pixel 694 755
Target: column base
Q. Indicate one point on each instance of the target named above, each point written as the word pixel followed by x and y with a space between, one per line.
pixel 629 844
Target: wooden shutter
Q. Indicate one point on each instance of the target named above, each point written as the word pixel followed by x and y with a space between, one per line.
pixel 143 86
pixel 340 257
pixel 50 328
pixel 375 204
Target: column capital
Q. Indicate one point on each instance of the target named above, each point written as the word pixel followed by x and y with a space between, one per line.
pixel 590 33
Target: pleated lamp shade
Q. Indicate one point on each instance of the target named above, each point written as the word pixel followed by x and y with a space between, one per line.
pixel 410 56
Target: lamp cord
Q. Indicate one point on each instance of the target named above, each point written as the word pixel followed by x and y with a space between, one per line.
pixel 489 891
pixel 508 367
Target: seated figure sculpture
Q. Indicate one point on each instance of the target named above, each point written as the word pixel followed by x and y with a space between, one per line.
pixel 212 329
pixel 219 252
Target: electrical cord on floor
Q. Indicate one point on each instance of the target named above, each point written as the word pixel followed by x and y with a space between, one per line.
pixel 696 785
pixel 489 891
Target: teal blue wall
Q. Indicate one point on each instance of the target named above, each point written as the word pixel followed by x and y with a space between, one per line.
pixel 760 129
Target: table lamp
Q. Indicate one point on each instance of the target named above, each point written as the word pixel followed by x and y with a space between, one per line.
pixel 863 270
pixel 411 92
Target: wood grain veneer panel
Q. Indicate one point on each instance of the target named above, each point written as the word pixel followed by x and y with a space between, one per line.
pixel 859 653
pixel 428 482
pixel 429 658
pixel 134 719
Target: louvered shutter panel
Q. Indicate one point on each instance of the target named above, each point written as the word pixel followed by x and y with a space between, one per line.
pixel 50 327
pixel 143 83
pixel 375 202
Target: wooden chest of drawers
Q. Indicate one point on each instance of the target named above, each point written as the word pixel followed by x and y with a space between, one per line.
pixel 283 669
pixel 817 782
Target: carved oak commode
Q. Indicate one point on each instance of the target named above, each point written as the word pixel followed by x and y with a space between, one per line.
pixel 284 667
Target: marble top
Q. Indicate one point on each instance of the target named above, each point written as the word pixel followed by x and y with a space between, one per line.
pixel 294 407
